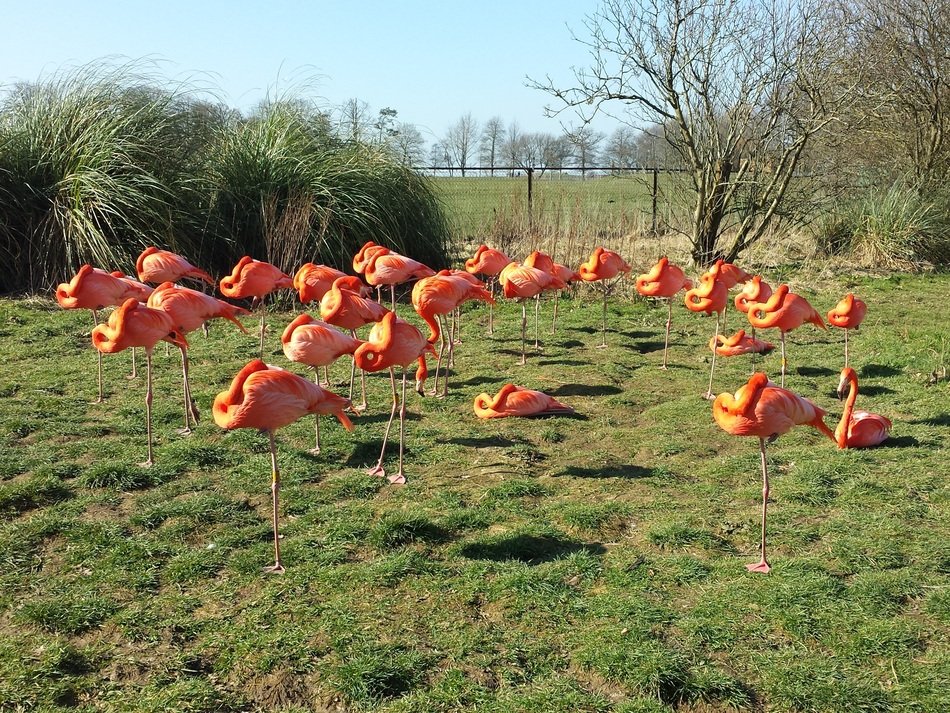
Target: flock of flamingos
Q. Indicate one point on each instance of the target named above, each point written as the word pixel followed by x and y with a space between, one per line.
pixel 267 397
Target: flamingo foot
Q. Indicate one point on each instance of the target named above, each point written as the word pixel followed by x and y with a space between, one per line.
pixel 146 464
pixel 709 396
pixel 315 451
pixel 761 567
pixel 601 346
pixel 522 362
pixel 184 431
pixel 131 376
pixel 276 568
pixel 377 470
pixel 359 408
pixel 664 367
pixel 397 479
pixel 100 400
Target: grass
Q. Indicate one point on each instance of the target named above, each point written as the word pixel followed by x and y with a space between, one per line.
pixel 586 563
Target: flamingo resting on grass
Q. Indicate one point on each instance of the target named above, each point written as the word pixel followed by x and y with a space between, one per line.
pixel 847 314
pixel 393 342
pixel 514 400
pixel 602 266
pixel 664 280
pixel 858 429
pixel 135 325
pixel 267 398
pixel 786 311
pixel 762 409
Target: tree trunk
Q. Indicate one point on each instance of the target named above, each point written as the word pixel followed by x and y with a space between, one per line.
pixel 704 242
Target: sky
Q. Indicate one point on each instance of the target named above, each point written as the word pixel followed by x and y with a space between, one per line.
pixel 432 61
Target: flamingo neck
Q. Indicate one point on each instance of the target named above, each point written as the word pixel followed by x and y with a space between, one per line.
pixel 841 433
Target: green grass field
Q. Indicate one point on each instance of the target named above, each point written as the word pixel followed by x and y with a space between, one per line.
pixel 586 563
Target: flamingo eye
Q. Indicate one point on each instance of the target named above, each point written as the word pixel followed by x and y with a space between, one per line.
pixel 370 356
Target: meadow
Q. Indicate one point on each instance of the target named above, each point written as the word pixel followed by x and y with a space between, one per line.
pixel 584 563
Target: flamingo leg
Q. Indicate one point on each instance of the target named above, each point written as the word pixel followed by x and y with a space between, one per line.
pixel 378 469
pixel 784 362
pixel 263 310
pixel 135 373
pixel 557 296
pixel 669 322
pixel 458 328
pixel 316 417
pixel 603 330
pixel 438 361
pixel 524 324
pixel 148 405
pixel 846 347
pixel 392 294
pixel 95 323
pixel 537 312
pixel 362 406
pixel 709 394
pixel 450 360
pixel 762 565
pixel 491 308
pixel 190 408
pixel 277 567
pixel 400 477
pixel 326 374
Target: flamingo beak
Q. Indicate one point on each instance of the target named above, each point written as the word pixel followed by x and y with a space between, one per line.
pixel 842 391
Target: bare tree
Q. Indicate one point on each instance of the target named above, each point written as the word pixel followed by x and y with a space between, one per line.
pixel 408 144
pixel 585 144
pixel 356 123
pixel 740 89
pixel 460 141
pixel 621 148
pixel 492 138
pixel 513 147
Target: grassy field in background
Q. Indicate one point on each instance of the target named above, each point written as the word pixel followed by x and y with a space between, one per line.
pixel 586 563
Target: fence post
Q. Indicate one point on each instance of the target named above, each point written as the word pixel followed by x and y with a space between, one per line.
pixel 530 199
pixel 653 196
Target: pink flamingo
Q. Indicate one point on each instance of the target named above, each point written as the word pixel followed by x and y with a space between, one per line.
pixel 312 281
pixel 488 262
pixel 522 282
pixel 154 265
pixel 267 398
pixel 710 297
pixel 255 279
pixel 664 280
pixel 858 429
pixel 389 268
pixel 847 314
pixel 602 266
pixel 514 400
pixel 786 311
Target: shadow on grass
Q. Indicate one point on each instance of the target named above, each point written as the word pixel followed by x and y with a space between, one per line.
pixel 815 371
pixel 485 442
pixel 531 549
pixel 900 442
pixel 879 370
pixel 479 380
pixel 627 470
pixel 942 419
pixel 562 362
pixel 645 347
pixel 875 390
pixel 585 390
pixel 383 416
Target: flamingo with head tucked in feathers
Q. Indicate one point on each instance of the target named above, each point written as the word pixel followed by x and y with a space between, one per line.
pixel 664 280
pixel 709 297
pixel 389 268
pixel 313 281
pixel 255 279
pixel 847 314
pixel 512 400
pixel 602 266
pixel 488 262
pixel 157 266
pixel 785 311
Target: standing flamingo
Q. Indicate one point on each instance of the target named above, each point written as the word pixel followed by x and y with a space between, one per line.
pixel 309 341
pixel 755 290
pixel 545 263
pixel 489 262
pixel 858 429
pixel 190 309
pixel 267 398
pixel 255 279
pixel 142 292
pixel 135 325
pixel 344 306
pixel 664 280
pixel 362 258
pixel 94 289
pixel 710 297
pixel 567 276
pixel 436 296
pixel 157 266
pixel 514 400
pixel 312 281
pixel 389 268
pixel 602 266
pixel 760 408
pixel 394 342
pixel 786 311
pixel 847 314
pixel 522 282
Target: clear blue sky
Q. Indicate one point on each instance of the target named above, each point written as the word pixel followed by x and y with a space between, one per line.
pixel 431 60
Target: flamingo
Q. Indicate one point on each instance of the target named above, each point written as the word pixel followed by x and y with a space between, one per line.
pixel 522 282
pixel 602 266
pixel 664 280
pixel 489 262
pixel 363 256
pixel 786 311
pixel 312 281
pixel 394 342
pixel 94 289
pixel 709 297
pixel 514 400
pixel 142 292
pixel 267 398
pixel 255 279
pixel 760 408
pixel 309 341
pixel 858 429
pixel 847 314
pixel 344 306
pixel 154 265
pixel 190 309
pixel 545 263
pixel 389 268
pixel 755 290
pixel 739 343
pixel 438 295
pixel 567 276
pixel 135 325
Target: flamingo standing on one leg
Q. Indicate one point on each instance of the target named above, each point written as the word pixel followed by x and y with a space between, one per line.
pixel 190 309
pixel 545 263
pixel 157 266
pixel 95 289
pixel 664 280
pixel 710 297
pixel 135 325
pixel 255 279
pixel 786 311
pixel 312 281
pixel 755 290
pixel 568 277
pixel 142 294
pixel 731 275
pixel 267 398
pixel 363 256
pixel 858 429
pixel 309 341
pixel 389 268
pixel 760 408
pixel 344 306
pixel 522 282
pixel 394 342
pixel 489 262
pixel 847 314
pixel 602 266
pixel 514 400
pixel 436 296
